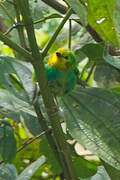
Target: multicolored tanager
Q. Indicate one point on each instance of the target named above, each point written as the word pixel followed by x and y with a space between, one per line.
pixel 60 72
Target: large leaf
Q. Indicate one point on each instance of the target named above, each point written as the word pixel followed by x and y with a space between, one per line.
pixel 8 172
pixel 7 142
pixel 12 70
pixel 94 51
pixel 93 118
pixel 101 16
pixel 30 170
pixel 32 123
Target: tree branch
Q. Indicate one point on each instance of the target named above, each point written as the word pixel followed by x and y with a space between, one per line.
pixel 51 108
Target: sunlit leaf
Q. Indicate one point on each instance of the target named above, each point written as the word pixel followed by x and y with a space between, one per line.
pixel 101 16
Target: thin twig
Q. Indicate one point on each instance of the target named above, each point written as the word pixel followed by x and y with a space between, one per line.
pixel 90 73
pixel 31 140
pixel 9 30
pixel 44 19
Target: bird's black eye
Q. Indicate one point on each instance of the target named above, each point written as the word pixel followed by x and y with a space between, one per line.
pixel 58 54
pixel 66 57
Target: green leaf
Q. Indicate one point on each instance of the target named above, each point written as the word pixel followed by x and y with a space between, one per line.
pixel 7 142
pixel 46 150
pixel 101 16
pixel 22 75
pixel 8 172
pixel 30 170
pixel 93 119
pixel 32 123
pixel 80 10
pixel 94 51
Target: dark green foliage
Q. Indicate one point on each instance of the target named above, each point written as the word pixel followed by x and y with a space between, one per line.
pixel 7 142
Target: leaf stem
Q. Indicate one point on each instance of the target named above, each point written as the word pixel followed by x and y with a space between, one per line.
pixel 90 73
pixel 46 18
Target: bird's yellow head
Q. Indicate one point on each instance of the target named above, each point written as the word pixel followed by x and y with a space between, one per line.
pixel 63 60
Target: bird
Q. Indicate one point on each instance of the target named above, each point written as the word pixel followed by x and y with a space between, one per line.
pixel 60 71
